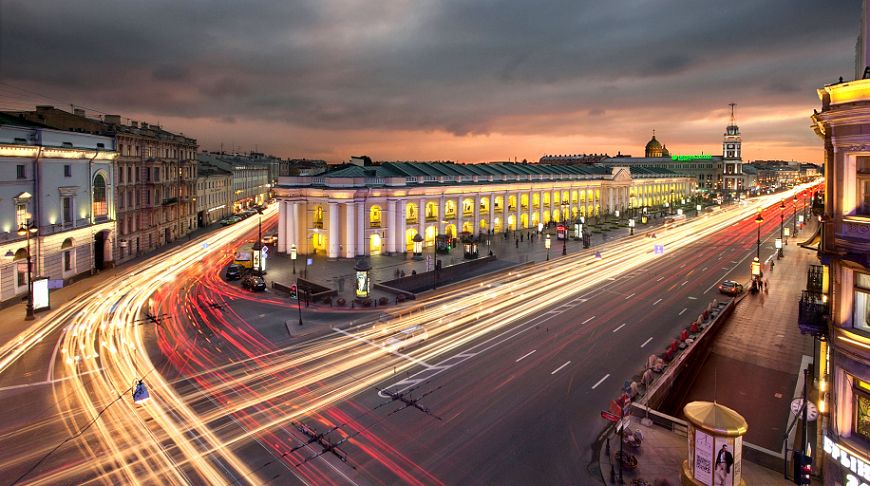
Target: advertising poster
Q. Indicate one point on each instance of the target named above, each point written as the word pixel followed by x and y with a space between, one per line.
pixel 723 474
pixel 703 457
pixel 40 294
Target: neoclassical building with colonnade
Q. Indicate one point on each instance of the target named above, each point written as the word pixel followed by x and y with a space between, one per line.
pixel 353 209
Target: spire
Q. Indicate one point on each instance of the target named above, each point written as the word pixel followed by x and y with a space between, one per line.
pixel 732 105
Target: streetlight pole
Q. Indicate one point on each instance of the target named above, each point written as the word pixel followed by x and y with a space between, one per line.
pixel 794 214
pixel 565 242
pixel 547 244
pixel 781 236
pixel 293 256
pixel 299 300
pixel 25 230
pixel 758 220
pixel 435 265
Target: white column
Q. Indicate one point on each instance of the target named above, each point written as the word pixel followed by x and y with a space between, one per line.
pixel 476 230
pixel 283 209
pixel 295 227
pixel 460 209
pixel 402 211
pixel 332 244
pixel 362 244
pixel 491 209
pixel 530 209
pixel 350 231
pixel 392 227
pixel 421 220
pixel 505 210
pixel 540 208
pixel 441 219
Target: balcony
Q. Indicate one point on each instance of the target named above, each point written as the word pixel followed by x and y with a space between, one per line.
pixel 318 225
pixel 813 313
pixel 170 201
pixel 374 224
pixel 815 274
pixel 411 220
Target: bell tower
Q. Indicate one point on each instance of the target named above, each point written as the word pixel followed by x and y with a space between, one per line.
pixel 732 164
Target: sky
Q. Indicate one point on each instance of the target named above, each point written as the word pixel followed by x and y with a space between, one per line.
pixel 468 81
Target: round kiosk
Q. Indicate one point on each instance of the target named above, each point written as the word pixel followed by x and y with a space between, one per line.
pixel 715 445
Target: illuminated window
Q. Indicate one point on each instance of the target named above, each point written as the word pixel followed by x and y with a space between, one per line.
pixel 21 270
pixel 100 207
pixel 861 313
pixel 375 217
pixel 863 178
pixel 862 409
pixel 66 204
pixel 67 248
pixel 21 215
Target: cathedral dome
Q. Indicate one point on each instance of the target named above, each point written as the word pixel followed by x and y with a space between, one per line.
pixel 653 148
pixel 665 151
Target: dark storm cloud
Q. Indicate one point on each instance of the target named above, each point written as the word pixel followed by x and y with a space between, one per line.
pixel 447 65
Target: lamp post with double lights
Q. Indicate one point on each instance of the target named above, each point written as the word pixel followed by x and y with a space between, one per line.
pixel 758 220
pixel 781 221
pixel 26 229
pixel 547 245
pixel 794 213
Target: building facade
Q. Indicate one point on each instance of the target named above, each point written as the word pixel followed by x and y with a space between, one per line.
pixel 355 210
pixel 252 176
pixel 155 177
pixel 843 372
pixel 214 194
pixel 61 185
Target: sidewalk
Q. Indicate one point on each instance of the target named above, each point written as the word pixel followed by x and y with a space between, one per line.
pixel 754 364
pixel 661 455
pixel 338 273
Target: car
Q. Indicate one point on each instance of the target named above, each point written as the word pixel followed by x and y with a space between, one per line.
pixel 230 220
pixel 234 272
pixel 270 239
pixel 254 283
pixel 730 287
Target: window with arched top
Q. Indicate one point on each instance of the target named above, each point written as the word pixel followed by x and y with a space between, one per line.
pixel 68 254
pixel 20 270
pixel 100 207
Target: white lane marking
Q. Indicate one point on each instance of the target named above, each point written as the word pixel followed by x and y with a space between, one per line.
pixel 611 278
pixel 525 355
pixel 600 381
pixel 683 265
pixel 587 320
pixel 660 278
pixel 559 368
pixel 646 342
pixel 704 269
pixel 682 311
pixel 620 327
pixel 656 302
pixel 684 283
pixel 724 268
pixel 367 341
pixel 692 298
pixel 630 296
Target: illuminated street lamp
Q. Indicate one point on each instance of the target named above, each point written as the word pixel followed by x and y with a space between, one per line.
pixel 794 213
pixel 540 227
pixel 781 220
pixel 26 229
pixel 631 226
pixel 758 220
pixel 698 209
pixel 293 256
pixel 547 245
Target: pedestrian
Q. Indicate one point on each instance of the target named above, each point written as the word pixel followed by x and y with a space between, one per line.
pixel 518 243
pixel 772 263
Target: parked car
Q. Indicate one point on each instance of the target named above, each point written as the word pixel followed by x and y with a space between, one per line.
pixel 234 272
pixel 230 220
pixel 254 283
pixel 730 287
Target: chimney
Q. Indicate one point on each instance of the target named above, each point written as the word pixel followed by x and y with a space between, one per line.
pixel 134 124
pixel 79 112
pixel 112 119
pixel 144 125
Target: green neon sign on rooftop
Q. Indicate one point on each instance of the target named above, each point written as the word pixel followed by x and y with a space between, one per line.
pixel 692 157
